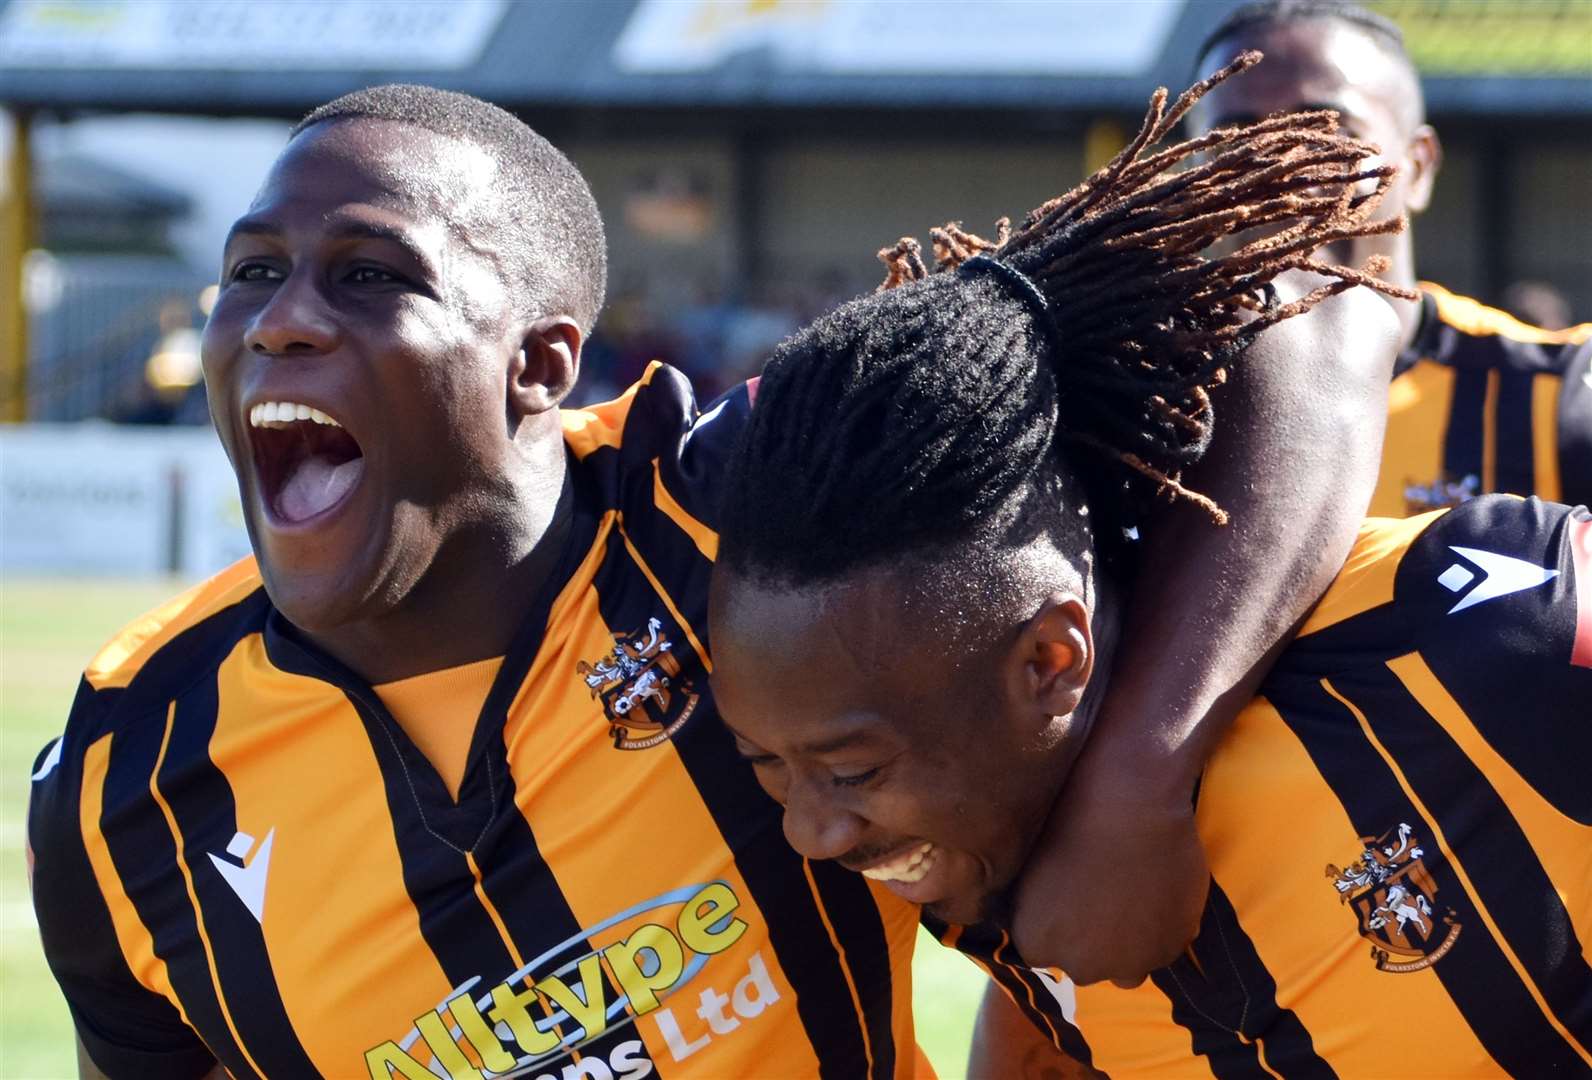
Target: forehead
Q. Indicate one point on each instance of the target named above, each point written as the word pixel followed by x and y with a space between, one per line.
pixel 1310 62
pixel 399 168
pixel 818 655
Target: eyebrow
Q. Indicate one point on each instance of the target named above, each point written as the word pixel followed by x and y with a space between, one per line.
pixel 346 229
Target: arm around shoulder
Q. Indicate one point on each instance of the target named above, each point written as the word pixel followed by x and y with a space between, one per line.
pixel 1293 462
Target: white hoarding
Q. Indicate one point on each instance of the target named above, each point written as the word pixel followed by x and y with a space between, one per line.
pixel 261 35
pixel 101 499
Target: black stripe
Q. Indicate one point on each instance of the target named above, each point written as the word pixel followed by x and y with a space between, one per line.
pixel 145 857
pixel 1515 453
pixel 1475 973
pixel 1488 841
pixel 991 948
pixel 860 931
pixel 749 822
pixel 202 802
pixel 1210 1037
pixel 515 875
pixel 1462 442
pixel 1231 990
pixel 436 876
pixel 1068 1038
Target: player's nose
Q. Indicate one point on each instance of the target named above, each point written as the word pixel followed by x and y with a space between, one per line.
pixel 815 826
pixel 294 321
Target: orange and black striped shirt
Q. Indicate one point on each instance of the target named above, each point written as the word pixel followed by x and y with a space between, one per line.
pixel 1399 831
pixel 241 858
pixel 1482 402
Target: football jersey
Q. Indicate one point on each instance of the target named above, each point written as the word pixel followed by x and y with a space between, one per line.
pixel 241 857
pixel 1482 402
pixel 1399 831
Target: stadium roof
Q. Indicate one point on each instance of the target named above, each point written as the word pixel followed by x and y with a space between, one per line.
pixel 281 57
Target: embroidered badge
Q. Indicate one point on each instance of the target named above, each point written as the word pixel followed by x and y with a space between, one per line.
pixel 1394 896
pixel 643 690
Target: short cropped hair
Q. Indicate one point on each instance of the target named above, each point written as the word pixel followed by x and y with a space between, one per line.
pixel 551 222
pixel 1263 13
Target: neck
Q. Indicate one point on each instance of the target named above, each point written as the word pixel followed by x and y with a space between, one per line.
pixel 468 604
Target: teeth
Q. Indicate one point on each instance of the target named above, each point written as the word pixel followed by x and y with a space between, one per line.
pixel 909 866
pixel 282 413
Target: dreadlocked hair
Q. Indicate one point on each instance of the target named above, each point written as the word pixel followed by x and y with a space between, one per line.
pixel 940 405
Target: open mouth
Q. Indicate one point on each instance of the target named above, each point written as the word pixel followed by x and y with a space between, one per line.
pixel 909 866
pixel 307 462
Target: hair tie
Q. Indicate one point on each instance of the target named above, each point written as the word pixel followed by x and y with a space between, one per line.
pixel 1022 287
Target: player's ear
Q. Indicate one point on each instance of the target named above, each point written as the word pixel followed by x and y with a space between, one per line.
pixel 1423 158
pixel 1056 649
pixel 544 370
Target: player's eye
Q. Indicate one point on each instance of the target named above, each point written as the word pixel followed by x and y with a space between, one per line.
pixel 372 275
pixel 854 779
pixel 255 271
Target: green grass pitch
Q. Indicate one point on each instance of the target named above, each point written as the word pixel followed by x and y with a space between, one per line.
pixel 48 630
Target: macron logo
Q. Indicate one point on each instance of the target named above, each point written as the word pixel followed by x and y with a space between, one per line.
pixel 1503 575
pixel 247 877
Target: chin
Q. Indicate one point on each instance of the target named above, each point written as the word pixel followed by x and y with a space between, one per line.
pixel 314 602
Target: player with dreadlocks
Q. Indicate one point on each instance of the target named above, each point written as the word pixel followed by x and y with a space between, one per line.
pixel 1480 401
pixel 915 619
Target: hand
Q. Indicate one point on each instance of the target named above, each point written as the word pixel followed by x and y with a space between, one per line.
pixel 1115 887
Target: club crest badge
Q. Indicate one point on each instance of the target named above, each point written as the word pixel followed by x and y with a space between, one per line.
pixel 1440 494
pixel 1395 897
pixel 641 685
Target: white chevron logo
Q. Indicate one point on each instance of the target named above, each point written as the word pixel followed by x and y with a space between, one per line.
pixel 1504 575
pixel 247 879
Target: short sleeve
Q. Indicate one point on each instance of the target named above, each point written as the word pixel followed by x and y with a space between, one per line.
pixel 128 1029
pixel 1499 594
pixel 696 476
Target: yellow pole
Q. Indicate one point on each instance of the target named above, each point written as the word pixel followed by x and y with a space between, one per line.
pixel 16 238
pixel 1101 141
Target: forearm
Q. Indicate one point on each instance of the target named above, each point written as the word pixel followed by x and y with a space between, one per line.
pixel 1293 462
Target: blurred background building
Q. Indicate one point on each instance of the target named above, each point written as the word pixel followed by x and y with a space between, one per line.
pixel 749 156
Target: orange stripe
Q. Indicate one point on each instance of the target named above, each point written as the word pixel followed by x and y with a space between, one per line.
pixel 705 539
pixel 1459 872
pixel 668 601
pixel 1545 437
pixel 193 898
pixel 564 764
pixel 1478 320
pixel 1366 580
pixel 845 965
pixel 1489 434
pixel 138 944
pixel 1561 844
pixel 1412 448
